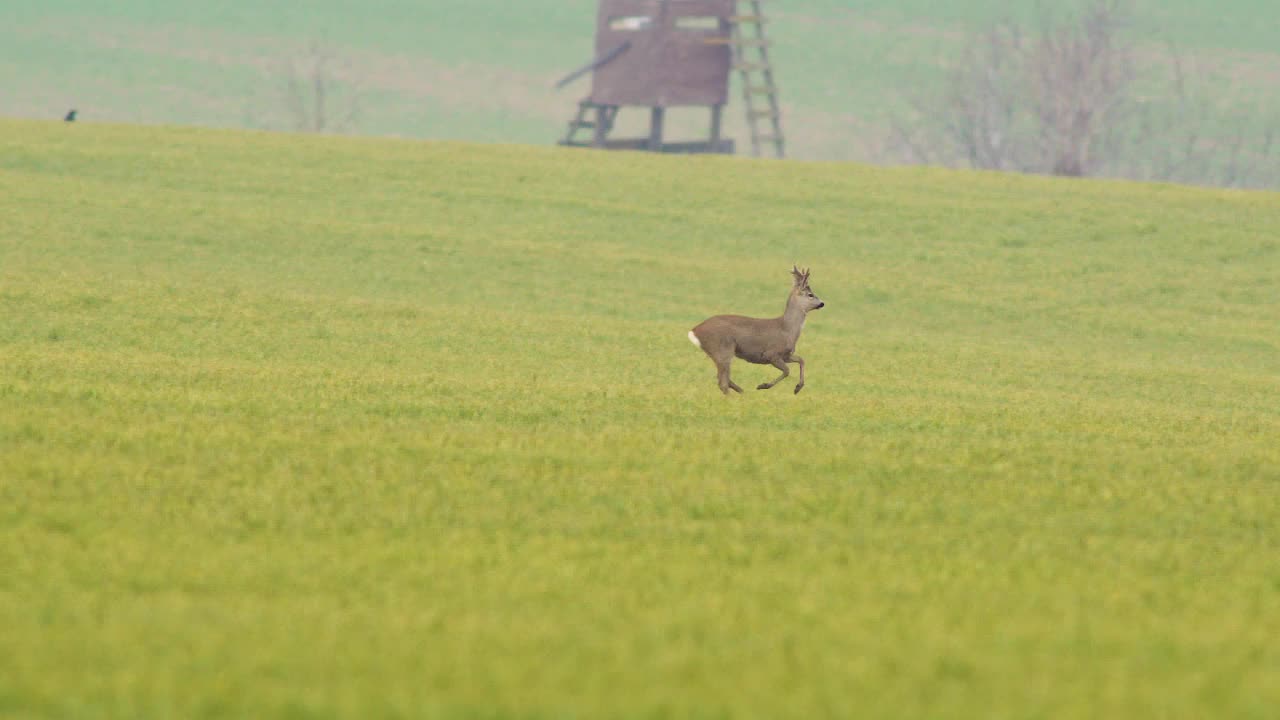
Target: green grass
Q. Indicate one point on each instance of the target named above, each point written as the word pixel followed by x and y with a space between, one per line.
pixel 314 427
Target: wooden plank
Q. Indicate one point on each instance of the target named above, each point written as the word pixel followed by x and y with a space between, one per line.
pixel 724 146
pixel 740 42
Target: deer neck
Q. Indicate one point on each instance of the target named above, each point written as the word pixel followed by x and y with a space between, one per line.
pixel 793 319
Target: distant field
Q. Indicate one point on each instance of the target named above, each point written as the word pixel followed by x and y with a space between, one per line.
pixel 322 427
pixel 483 70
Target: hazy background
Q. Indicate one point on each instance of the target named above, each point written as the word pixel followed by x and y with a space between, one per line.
pixel 851 72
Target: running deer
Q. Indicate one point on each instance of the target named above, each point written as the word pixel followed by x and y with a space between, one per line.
pixel 761 341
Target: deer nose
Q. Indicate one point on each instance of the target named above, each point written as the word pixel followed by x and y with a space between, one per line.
pixel 820 306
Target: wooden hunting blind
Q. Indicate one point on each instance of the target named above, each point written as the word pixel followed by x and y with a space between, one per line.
pixel 664 54
pixel 668 64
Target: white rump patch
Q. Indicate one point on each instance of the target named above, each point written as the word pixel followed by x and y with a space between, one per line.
pixel 694 339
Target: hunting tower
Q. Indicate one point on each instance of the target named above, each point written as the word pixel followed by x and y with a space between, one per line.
pixel 660 54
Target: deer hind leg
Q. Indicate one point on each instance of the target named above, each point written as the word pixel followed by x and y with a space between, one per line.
pixel 781 365
pixel 722 374
pixel 799 361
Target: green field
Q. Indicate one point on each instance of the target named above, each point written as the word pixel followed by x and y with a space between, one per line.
pixel 312 427
pixel 483 70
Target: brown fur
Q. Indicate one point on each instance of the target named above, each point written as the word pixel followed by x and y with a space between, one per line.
pixel 763 341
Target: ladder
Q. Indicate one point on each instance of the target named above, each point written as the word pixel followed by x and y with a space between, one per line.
pixel 759 91
pixel 599 125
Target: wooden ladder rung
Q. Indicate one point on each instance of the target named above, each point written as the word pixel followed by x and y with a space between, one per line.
pixel 747 19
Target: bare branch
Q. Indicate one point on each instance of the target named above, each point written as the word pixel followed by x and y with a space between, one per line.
pixel 312 95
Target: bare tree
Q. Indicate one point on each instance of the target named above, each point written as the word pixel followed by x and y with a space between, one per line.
pixel 1081 75
pixel 1039 102
pixel 981 102
pixel 313 97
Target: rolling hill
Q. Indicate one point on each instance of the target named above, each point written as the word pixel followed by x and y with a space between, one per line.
pixel 297 426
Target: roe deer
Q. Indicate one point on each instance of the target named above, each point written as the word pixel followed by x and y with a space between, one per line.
pixel 761 341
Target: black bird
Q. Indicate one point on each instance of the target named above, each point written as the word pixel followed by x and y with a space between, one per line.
pixel 71 115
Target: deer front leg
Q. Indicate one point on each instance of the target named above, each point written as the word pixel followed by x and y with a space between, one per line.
pixel 799 361
pixel 781 365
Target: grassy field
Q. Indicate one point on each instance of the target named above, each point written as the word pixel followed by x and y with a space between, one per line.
pixel 315 427
pixel 483 70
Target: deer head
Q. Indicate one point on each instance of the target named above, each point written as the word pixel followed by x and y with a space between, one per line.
pixel 801 293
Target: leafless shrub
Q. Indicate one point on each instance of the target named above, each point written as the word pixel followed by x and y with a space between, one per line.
pixel 1183 135
pixel 1032 102
pixel 1064 99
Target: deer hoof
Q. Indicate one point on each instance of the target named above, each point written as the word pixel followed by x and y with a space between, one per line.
pixel 798 387
pixel 763 386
